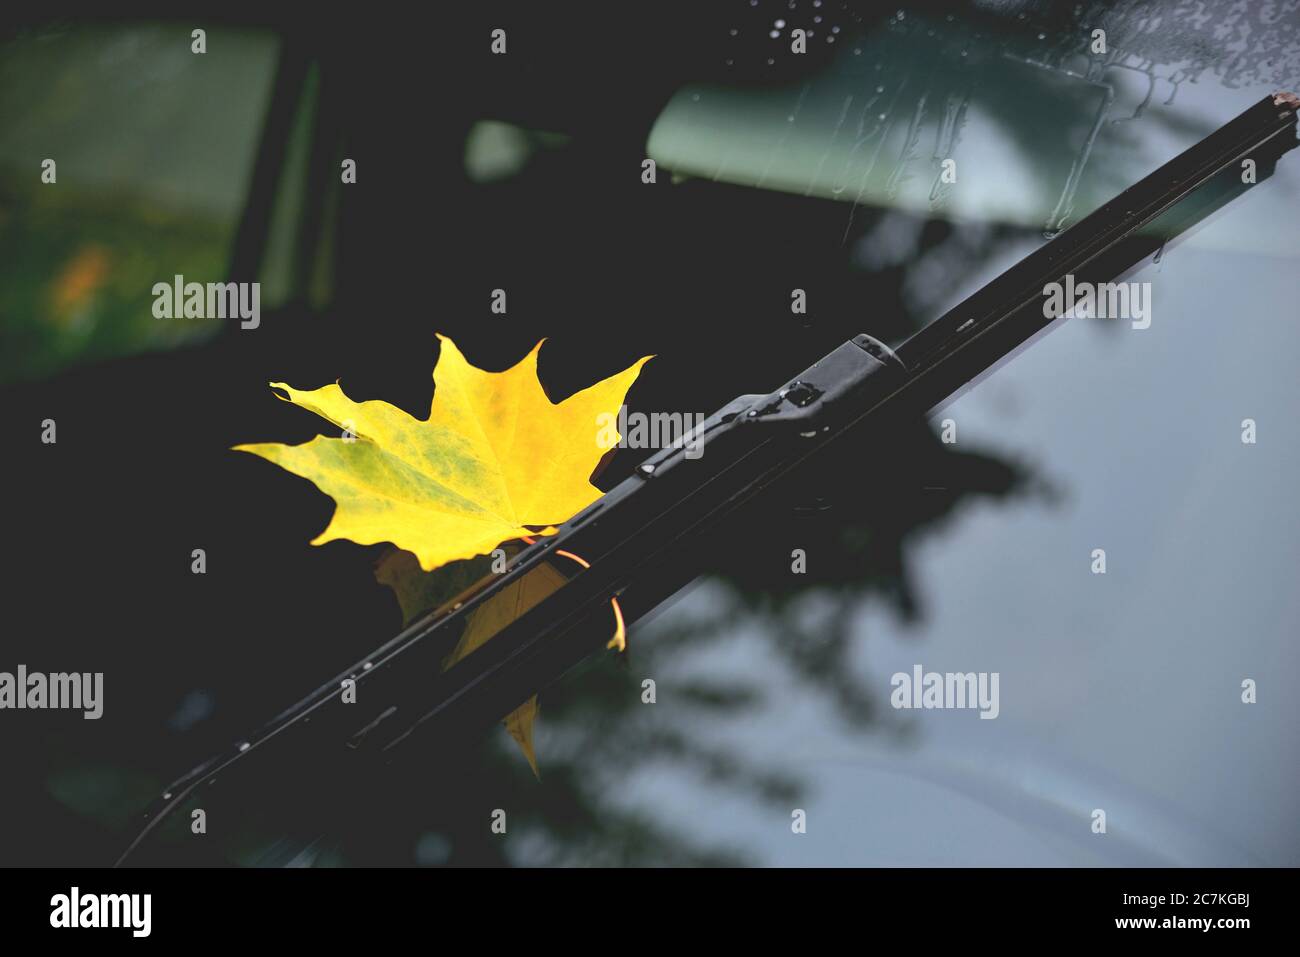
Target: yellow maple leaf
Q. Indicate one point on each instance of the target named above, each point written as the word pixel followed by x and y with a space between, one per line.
pixel 494 457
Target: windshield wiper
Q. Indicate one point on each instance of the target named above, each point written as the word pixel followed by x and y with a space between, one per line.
pixel 857 393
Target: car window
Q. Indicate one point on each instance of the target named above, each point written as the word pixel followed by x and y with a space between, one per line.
pixel 152 148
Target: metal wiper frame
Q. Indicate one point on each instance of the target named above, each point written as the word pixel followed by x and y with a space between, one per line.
pixel 861 389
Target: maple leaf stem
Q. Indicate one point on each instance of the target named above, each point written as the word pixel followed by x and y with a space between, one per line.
pixel 619 641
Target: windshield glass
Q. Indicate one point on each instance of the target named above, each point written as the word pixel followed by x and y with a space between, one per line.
pixel 1100 533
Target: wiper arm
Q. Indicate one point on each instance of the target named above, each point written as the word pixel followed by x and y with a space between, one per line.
pixel 861 389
